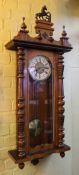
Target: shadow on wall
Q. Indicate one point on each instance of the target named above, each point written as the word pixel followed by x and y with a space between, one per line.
pixel 72 7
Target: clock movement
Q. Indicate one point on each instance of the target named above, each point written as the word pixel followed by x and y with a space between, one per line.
pixel 39 93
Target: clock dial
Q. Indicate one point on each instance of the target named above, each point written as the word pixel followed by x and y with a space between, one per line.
pixel 39 68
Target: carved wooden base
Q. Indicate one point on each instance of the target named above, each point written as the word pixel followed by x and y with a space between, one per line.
pixel 35 158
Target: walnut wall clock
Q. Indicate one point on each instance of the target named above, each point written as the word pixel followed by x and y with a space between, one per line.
pixel 39 93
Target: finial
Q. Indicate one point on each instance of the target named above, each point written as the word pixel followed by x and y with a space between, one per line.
pixel 23 26
pixel 64 34
pixel 64 38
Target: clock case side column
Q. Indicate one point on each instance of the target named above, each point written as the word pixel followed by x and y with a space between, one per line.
pixel 20 104
pixel 19 154
pixel 60 103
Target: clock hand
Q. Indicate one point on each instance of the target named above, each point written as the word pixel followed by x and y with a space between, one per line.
pixel 41 68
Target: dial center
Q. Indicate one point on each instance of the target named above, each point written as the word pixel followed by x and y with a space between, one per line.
pixel 39 67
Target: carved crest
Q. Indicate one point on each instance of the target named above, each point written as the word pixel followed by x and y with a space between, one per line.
pixel 44 14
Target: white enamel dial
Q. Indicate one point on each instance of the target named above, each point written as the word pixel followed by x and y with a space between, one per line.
pixel 39 68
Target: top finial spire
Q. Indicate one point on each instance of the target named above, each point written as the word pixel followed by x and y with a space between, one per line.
pixel 23 26
pixel 64 34
pixel 64 38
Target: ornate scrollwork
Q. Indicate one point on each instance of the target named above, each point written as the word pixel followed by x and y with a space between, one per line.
pixel 43 15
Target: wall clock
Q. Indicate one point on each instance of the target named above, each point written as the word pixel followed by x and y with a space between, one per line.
pixel 39 93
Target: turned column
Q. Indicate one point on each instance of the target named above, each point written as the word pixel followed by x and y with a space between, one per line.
pixel 64 42
pixel 60 102
pixel 20 103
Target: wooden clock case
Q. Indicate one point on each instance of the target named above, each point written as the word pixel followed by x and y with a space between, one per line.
pixel 26 48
